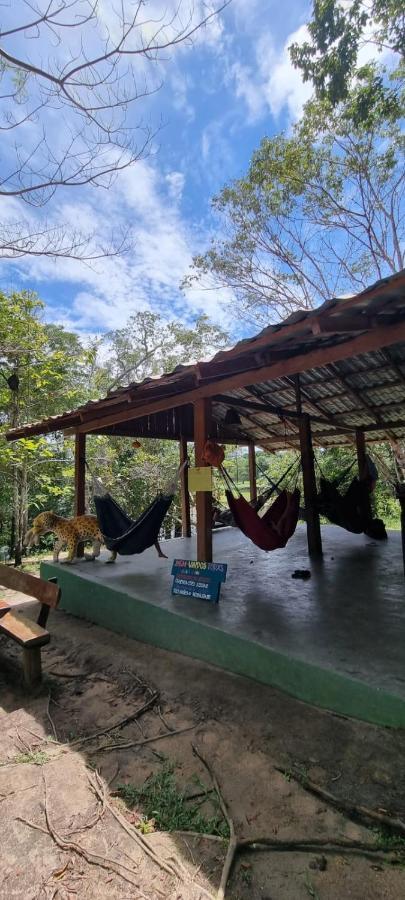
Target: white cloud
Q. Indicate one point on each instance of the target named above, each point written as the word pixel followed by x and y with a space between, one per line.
pixel 106 292
pixel 175 182
pixel 251 91
pixel 283 86
pixel 180 84
pixel 273 85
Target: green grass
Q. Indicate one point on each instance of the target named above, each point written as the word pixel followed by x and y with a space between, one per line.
pixel 32 563
pixel 37 757
pixel 310 888
pixel 159 799
pixel 386 840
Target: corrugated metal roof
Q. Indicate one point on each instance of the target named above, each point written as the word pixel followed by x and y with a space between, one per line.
pixel 366 390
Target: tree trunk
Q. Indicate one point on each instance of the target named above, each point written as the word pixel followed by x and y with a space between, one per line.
pixel 17 549
pixel 18 480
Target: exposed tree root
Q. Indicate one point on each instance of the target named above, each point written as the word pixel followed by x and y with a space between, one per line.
pixel 350 809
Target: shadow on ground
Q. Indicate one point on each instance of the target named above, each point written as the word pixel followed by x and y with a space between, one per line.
pixel 94 679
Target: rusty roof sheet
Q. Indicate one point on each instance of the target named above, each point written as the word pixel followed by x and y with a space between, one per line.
pixel 366 390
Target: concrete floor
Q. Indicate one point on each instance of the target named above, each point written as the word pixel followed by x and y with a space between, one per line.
pixel 349 618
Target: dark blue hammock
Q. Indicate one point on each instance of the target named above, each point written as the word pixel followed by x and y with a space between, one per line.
pixel 127 536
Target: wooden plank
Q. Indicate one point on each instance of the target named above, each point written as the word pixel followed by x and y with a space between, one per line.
pixel 252 472
pixel 80 475
pixel 365 343
pixel 80 483
pixel 340 323
pixel 24 631
pixel 401 498
pixel 202 415
pixel 385 426
pixel 32 666
pixel 44 591
pixel 184 493
pixel 309 480
pixel 4 607
pixel 284 412
pixel 361 452
pixel 362 464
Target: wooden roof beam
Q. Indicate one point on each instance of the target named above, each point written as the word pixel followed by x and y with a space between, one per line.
pixel 340 324
pixel 336 324
pixel 326 415
pixel 358 398
pixel 386 367
pixel 380 337
pixel 279 411
pixel 394 365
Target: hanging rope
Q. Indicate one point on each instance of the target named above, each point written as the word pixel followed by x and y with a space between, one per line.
pixel 276 484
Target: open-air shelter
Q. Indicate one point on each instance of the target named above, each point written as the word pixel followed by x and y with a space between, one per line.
pixel 328 377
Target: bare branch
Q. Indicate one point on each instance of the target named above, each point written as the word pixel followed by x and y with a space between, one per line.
pixel 83 64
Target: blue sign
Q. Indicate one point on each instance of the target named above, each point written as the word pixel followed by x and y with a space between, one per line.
pixel 198 579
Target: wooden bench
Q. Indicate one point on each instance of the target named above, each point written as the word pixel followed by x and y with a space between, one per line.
pixel 30 635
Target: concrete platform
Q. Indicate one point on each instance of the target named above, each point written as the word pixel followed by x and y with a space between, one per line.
pixel 337 640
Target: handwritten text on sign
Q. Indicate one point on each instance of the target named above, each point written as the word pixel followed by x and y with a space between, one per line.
pixel 198 579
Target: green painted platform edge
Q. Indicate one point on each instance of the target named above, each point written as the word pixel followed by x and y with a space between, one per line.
pixel 151 624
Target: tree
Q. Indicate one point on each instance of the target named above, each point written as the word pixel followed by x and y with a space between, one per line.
pixel 148 345
pixel 319 214
pixel 72 70
pixel 56 373
pixel 50 366
pixel 331 59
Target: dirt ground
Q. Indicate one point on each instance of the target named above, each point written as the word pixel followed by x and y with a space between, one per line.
pixel 66 835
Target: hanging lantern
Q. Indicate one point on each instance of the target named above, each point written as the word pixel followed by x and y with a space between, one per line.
pixel 232 417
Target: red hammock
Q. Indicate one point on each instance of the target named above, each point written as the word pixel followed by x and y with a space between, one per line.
pixel 274 529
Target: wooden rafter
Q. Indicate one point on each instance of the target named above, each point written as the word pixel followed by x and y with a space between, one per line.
pixel 156 397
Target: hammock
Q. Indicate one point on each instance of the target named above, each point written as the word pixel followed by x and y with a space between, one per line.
pixel 350 510
pixel 274 529
pixel 124 535
pixel 223 517
pixel 275 486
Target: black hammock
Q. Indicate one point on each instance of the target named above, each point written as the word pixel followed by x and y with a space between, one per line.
pixel 350 510
pixel 128 536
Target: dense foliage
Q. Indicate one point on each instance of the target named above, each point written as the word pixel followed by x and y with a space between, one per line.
pixel 340 36
pixel 319 213
pixel 320 210
pixel 56 372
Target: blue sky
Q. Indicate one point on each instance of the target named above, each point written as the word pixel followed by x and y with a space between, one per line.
pixel 220 96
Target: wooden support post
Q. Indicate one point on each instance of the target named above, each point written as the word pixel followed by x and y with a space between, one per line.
pixel 202 415
pixel 308 476
pixel 32 666
pixel 80 481
pixel 184 494
pixel 362 463
pixel 361 452
pixel 252 472
pixel 401 498
pixel 80 475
